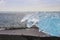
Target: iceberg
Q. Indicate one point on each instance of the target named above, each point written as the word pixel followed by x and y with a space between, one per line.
pixel 48 22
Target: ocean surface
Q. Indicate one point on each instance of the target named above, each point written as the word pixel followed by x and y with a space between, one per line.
pixel 10 19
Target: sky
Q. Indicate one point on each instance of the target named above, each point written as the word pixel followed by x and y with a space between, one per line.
pixel 29 5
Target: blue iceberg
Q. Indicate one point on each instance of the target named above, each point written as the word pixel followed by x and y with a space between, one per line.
pixel 48 22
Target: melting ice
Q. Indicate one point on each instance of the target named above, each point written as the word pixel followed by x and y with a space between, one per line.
pixel 48 22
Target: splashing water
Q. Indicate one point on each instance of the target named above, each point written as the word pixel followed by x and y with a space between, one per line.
pixel 48 22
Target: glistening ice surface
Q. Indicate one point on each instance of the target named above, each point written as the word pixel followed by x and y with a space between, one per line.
pixel 49 22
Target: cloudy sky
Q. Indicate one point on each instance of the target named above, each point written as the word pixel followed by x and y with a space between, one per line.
pixel 29 5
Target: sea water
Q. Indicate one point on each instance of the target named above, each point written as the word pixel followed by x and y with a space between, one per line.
pixel 10 19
